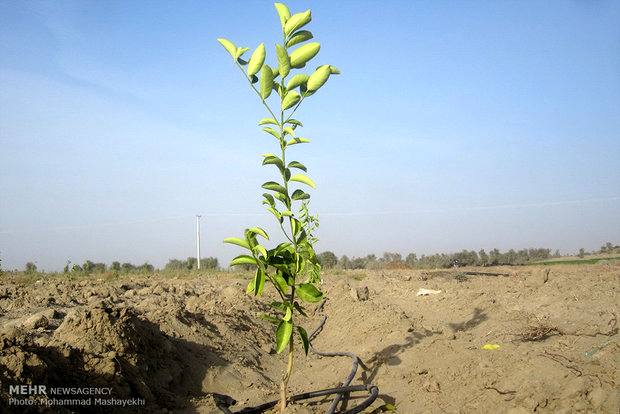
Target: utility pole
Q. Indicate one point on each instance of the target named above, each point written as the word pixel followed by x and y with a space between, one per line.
pixel 198 240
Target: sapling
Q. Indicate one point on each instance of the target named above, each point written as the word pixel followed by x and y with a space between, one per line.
pixel 291 267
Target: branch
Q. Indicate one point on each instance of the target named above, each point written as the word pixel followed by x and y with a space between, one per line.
pixel 257 92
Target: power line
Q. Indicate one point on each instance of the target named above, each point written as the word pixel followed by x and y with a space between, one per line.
pixel 327 214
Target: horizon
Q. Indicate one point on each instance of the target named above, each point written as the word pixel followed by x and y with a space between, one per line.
pixel 554 253
pixel 451 126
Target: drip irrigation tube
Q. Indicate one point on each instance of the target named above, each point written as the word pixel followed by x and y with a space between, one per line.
pixel 224 402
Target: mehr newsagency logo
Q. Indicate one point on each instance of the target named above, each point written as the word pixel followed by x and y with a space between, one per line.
pixel 42 395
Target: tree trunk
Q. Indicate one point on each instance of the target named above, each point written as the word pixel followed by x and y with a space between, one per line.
pixel 286 377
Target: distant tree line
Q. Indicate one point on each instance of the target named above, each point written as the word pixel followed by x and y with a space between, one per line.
pixel 329 260
pixel 191 263
pixel 610 248
pixel 440 260
pixel 90 267
pixel 607 248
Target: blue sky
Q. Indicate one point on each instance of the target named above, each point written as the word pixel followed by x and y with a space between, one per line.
pixel 453 125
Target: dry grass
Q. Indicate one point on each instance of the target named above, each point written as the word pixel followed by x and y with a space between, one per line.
pixel 538 332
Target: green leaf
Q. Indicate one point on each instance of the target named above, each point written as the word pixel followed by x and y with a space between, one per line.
pixel 297 141
pixel 281 197
pixel 250 238
pixel 275 213
pixel 273 186
pixel 250 287
pixel 303 236
pixel 260 249
pixel 298 165
pixel 304 338
pixel 304 53
pixel 243 259
pixel 257 60
pixel 268 121
pixel 289 131
pixel 334 70
pixel 240 51
pixel 259 231
pixel 299 79
pixel 291 99
pixel 288 314
pixel 283 335
pixel 287 213
pixel 275 161
pixel 281 282
pixel 300 36
pixel 297 21
pixel 229 46
pixel 259 282
pixel 266 82
pixel 269 199
pixel 294 122
pixel 283 13
pixel 284 62
pixel 272 131
pixel 308 293
pixel 237 241
pixel 300 195
pixel 279 89
pixel 295 226
pixel 301 178
pixel 318 78
pixel 278 306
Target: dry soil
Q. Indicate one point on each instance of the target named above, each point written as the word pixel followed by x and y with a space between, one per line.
pixel 176 341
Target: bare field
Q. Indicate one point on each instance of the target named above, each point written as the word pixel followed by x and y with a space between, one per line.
pixel 175 341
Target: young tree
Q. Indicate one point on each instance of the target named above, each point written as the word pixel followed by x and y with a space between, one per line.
pixel 88 266
pixel 291 267
pixel 127 267
pixel 327 259
pixel 209 263
pixel 31 268
pixel 411 260
pixel 495 257
pixel 483 258
pixel 146 268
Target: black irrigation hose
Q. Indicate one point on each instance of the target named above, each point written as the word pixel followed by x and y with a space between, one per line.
pixel 355 361
pixel 372 390
pixel 223 402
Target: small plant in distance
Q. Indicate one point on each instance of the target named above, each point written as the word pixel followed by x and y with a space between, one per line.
pixel 291 267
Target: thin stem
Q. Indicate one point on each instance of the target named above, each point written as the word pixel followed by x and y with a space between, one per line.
pixel 256 90
pixel 294 109
pixel 286 234
pixel 276 286
pixel 286 377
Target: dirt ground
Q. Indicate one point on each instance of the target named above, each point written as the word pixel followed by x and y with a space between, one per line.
pixel 175 341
